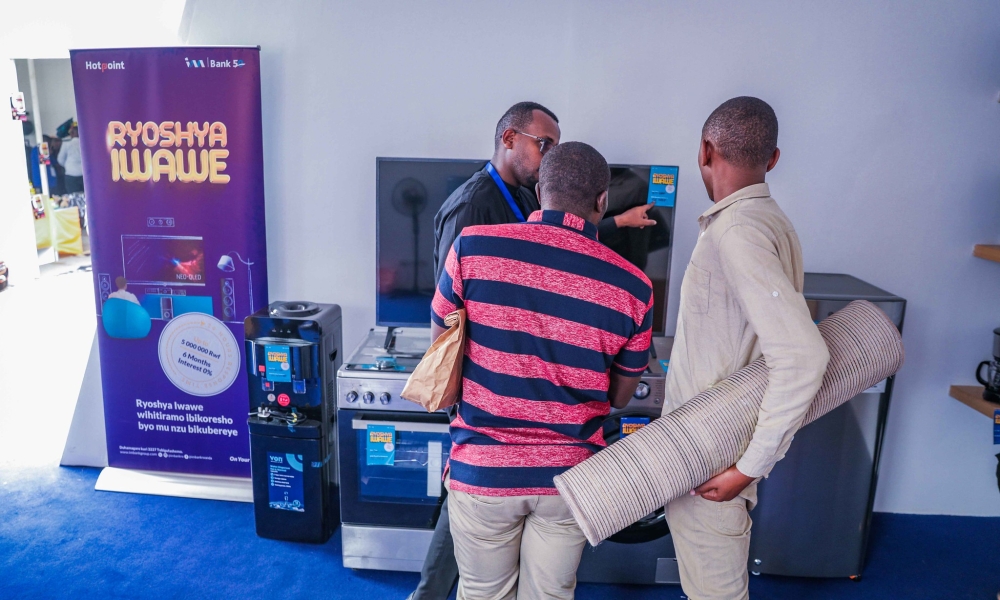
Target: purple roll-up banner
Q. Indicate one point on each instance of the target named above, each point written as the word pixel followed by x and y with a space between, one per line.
pixel 173 177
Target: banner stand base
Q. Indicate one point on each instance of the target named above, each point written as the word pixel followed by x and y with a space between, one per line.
pixel 182 485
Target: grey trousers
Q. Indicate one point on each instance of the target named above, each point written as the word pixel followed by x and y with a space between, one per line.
pixel 523 547
pixel 440 570
pixel 712 541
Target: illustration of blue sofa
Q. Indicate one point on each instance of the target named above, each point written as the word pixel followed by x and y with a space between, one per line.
pixel 125 320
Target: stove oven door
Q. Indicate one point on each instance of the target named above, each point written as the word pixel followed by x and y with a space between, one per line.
pixel 408 492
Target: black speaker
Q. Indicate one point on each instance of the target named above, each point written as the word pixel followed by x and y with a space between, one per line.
pixel 104 285
pixel 166 308
pixel 228 289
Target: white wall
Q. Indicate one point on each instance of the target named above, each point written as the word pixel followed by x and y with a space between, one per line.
pixel 54 79
pixel 49 28
pixel 890 138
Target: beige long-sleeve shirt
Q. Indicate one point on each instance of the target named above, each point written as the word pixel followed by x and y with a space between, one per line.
pixel 741 297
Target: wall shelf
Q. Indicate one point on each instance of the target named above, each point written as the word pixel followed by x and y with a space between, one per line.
pixel 972 396
pixel 987 251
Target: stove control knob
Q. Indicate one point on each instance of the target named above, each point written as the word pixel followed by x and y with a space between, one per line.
pixel 368 397
pixel 384 398
pixel 642 390
pixel 352 396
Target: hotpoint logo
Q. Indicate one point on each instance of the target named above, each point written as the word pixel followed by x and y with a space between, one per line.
pixel 208 63
pixel 115 65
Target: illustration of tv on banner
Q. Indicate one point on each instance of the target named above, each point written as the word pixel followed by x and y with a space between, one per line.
pixel 662 186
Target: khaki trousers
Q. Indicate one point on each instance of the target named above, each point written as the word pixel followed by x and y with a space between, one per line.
pixel 514 546
pixel 712 541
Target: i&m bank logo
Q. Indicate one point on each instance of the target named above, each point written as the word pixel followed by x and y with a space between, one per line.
pixel 113 65
pixel 210 63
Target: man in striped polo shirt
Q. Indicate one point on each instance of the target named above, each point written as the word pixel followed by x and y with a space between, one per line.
pixel 558 333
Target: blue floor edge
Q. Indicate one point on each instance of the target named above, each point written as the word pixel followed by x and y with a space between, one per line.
pixel 61 539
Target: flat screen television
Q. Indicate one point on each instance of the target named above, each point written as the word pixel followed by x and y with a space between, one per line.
pixel 163 260
pixel 410 191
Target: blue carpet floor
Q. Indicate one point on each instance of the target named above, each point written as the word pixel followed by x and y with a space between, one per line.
pixel 61 539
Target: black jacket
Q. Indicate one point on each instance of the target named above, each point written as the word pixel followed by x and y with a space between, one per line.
pixel 478 201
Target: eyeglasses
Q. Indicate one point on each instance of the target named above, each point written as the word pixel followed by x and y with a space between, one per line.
pixel 544 144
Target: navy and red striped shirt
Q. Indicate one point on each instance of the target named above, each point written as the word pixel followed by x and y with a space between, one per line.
pixel 550 313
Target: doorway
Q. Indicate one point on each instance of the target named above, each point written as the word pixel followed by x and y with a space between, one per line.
pixel 53 164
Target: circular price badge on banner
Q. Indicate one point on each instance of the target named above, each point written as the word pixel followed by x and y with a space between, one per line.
pixel 199 354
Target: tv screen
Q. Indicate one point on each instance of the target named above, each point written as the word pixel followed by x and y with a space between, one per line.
pixel 410 192
pixel 163 260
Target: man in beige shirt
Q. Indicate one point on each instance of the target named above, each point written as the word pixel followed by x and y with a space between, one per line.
pixel 741 298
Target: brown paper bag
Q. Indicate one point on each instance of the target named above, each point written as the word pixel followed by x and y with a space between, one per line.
pixel 436 381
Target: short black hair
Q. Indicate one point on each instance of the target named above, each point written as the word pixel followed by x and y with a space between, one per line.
pixel 572 175
pixel 518 117
pixel 744 130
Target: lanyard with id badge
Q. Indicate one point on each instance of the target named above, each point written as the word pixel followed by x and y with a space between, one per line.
pixel 506 193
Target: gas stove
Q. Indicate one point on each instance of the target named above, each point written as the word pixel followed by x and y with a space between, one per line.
pixel 373 377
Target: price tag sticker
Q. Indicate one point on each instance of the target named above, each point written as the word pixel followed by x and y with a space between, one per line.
pixel 381 445
pixel 276 361
pixel 630 425
pixel 662 186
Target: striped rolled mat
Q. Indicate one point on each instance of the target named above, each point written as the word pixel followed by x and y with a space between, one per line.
pixel 705 436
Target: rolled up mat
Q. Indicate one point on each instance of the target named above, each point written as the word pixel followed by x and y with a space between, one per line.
pixel 705 436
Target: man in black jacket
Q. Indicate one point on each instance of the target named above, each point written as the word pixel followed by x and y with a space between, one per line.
pixel 504 191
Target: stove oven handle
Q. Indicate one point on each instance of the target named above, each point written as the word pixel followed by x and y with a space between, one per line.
pixel 363 423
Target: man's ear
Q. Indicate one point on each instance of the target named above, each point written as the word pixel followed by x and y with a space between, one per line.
pixel 774 159
pixel 601 206
pixel 507 138
pixel 538 192
pixel 706 152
